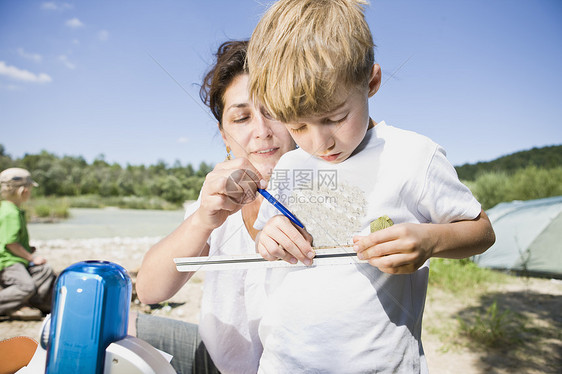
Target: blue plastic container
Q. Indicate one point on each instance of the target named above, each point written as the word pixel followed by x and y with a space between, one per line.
pixel 90 311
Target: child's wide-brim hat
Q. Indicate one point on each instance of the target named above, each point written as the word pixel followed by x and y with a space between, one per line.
pixel 17 177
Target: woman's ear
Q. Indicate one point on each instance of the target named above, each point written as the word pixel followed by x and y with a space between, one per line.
pixel 21 190
pixel 223 136
pixel 374 80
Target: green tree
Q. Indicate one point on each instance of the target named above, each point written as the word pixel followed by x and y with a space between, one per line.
pixel 5 159
pixel 535 183
pixel 490 188
pixel 172 190
pixel 543 158
pixel 204 169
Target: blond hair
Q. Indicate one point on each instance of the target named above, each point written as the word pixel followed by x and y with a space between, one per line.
pixel 303 50
pixel 9 191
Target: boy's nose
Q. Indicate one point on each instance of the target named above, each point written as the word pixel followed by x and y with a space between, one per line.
pixel 324 139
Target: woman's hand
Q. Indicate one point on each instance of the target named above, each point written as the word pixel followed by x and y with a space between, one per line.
pixel 281 239
pixel 399 249
pixel 226 189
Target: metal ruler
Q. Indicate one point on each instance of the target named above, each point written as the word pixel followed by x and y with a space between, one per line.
pixel 341 255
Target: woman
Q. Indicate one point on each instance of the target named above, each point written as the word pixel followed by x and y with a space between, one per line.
pixel 220 222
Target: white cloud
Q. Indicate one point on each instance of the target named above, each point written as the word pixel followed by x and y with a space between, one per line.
pixel 183 140
pixel 76 42
pixel 103 35
pixel 74 23
pixel 23 75
pixel 68 64
pixel 30 56
pixel 51 5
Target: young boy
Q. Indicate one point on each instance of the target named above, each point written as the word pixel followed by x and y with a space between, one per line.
pixel 26 281
pixel 312 66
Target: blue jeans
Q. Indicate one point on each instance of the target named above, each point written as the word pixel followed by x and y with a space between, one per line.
pixel 178 338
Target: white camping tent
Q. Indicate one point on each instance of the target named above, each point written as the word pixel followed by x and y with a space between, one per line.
pixel 528 237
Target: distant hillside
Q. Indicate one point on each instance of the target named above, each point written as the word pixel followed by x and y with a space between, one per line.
pixel 544 158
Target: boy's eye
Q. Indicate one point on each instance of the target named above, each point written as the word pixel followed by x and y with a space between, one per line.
pixel 297 129
pixel 339 120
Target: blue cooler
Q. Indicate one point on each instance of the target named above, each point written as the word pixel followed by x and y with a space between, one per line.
pixel 90 311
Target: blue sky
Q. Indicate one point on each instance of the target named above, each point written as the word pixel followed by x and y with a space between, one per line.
pixel 120 78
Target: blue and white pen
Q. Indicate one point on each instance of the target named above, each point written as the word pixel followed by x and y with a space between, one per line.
pixel 280 206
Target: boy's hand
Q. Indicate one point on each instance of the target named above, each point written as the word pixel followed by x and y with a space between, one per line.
pixel 280 239
pixel 39 260
pixel 399 249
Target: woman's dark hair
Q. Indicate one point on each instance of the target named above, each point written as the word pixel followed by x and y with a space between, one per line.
pixel 230 62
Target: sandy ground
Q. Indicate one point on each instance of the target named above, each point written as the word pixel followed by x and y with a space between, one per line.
pixel 538 299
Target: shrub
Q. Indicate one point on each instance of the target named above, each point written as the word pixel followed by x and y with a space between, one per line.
pixel 54 208
pixel 494 328
pixel 529 183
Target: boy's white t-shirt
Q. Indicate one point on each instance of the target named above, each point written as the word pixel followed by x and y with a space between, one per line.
pixel 228 330
pixel 354 318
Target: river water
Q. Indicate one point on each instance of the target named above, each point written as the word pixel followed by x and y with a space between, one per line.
pixel 108 223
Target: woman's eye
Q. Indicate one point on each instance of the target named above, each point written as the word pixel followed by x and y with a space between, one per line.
pixel 241 119
pixel 266 114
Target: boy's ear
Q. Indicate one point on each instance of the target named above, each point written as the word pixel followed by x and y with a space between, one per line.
pixel 374 80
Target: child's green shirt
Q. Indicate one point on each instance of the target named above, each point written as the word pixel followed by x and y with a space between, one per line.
pixel 13 229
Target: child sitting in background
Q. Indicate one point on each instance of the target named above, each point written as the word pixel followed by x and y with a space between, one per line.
pixel 312 67
pixel 25 278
